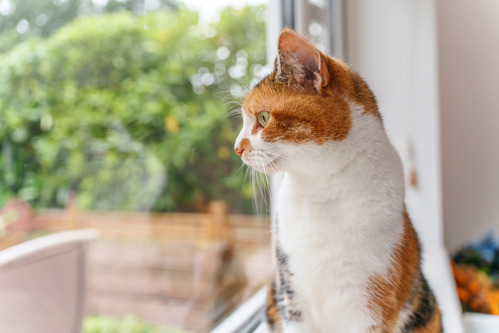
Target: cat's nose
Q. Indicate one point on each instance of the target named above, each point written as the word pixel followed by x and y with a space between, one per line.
pixel 239 150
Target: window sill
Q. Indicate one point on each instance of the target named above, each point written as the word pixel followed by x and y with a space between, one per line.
pixel 247 318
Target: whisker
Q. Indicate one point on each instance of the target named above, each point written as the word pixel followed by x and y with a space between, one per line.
pixel 234 113
pixel 240 168
pixel 276 155
pixel 261 185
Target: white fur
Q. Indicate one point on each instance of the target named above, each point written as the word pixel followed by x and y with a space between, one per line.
pixel 339 213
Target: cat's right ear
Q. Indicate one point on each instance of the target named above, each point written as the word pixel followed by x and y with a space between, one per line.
pixel 300 63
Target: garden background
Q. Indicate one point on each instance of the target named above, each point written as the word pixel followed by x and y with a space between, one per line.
pixel 122 105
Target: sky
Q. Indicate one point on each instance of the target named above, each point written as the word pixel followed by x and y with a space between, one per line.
pixel 210 8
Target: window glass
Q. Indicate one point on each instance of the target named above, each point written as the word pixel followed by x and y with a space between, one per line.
pixel 114 115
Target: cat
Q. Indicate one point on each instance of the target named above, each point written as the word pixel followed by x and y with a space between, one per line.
pixel 346 255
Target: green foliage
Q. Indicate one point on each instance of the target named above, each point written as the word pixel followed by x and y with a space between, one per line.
pixel 40 18
pixel 127 112
pixel 129 324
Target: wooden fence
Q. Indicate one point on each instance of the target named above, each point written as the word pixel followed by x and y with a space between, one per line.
pixel 176 269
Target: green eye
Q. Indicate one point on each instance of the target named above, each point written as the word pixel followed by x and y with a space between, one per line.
pixel 263 118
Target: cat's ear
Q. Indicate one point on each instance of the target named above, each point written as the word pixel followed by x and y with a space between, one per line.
pixel 299 62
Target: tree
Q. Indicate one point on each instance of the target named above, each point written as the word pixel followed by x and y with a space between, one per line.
pixel 24 19
pixel 125 117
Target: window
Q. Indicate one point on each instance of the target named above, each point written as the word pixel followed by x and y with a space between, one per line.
pixel 114 117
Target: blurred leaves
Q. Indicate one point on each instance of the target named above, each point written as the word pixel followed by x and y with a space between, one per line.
pixel 24 19
pixel 128 112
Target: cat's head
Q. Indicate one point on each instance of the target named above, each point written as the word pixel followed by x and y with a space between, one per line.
pixel 302 112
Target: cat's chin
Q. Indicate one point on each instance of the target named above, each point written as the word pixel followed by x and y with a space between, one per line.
pixel 269 168
pixel 268 172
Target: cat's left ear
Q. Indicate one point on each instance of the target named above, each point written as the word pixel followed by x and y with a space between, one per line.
pixel 300 63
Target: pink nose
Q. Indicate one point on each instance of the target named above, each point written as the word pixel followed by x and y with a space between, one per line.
pixel 239 150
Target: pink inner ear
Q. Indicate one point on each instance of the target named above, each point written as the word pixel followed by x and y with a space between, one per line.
pixel 293 44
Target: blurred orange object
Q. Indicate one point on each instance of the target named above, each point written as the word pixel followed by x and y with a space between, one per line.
pixel 475 290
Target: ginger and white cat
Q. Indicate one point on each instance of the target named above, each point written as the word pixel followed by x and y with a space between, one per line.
pixel 346 256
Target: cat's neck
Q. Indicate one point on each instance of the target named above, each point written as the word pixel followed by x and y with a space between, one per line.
pixel 369 166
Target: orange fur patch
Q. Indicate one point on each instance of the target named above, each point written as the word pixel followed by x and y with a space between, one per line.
pixel 299 114
pixel 245 146
pixel 297 117
pixel 389 293
pixel 363 96
pixel 273 315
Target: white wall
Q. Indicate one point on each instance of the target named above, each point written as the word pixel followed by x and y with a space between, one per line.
pixel 468 37
pixel 391 43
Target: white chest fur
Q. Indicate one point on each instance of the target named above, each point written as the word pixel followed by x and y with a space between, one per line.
pixel 338 230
